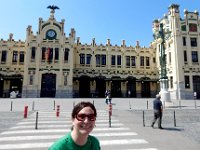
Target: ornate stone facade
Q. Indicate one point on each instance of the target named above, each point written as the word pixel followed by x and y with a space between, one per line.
pixel 182 46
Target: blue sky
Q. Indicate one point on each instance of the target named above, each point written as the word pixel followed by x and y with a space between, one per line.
pixel 117 20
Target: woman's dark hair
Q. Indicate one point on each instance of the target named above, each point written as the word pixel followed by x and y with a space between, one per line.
pixel 78 107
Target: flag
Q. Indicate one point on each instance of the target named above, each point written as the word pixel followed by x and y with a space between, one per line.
pixel 47 54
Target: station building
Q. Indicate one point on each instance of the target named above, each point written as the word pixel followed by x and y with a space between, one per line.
pixel 51 63
pixel 182 51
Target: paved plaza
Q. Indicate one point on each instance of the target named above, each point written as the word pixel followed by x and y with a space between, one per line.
pixel 129 128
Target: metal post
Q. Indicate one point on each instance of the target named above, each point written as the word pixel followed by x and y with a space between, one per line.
pixel 54 105
pixel 110 113
pixel 58 111
pixel 165 95
pixel 33 105
pixel 109 120
pixel 195 104
pixel 174 119
pixel 147 104
pixel 25 111
pixel 143 119
pixel 11 105
pixel 129 104
pixel 36 122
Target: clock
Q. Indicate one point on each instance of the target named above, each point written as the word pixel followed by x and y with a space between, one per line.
pixel 51 34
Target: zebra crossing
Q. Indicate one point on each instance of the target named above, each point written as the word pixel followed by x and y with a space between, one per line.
pixel 31 135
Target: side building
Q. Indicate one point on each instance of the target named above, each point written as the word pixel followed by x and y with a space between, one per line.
pixel 51 64
pixel 182 51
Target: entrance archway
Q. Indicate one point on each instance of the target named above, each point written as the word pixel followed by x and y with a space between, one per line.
pixel 196 86
pixel 116 87
pixel 146 89
pixel 48 85
pixel 84 87
pixel 100 86
pixel 131 86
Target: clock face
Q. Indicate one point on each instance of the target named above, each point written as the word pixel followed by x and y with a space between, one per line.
pixel 51 34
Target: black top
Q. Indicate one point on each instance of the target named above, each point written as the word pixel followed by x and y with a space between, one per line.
pixel 157 104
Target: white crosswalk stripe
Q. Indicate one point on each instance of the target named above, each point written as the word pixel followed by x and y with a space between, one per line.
pixel 50 128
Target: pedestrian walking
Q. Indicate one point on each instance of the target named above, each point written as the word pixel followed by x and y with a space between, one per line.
pixel 108 97
pixel 158 109
pixel 83 121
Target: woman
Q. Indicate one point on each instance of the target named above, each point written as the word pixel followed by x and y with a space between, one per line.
pixel 83 121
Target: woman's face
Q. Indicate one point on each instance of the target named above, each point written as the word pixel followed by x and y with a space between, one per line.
pixel 84 121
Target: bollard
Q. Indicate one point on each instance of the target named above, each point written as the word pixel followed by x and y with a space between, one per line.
pixel 110 113
pixel 143 119
pixel 25 111
pixel 93 102
pixel 174 119
pixel 58 111
pixel 129 104
pixel 33 106
pixel 54 105
pixel 11 105
pixel 195 104
pixel 110 109
pixel 147 104
pixel 36 121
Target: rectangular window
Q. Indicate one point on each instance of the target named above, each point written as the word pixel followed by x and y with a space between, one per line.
pixel 103 58
pixel 133 64
pixel 185 56
pixel 194 56
pixel 141 60
pixel 98 60
pixel 127 61
pixel 82 58
pixel 187 82
pixel 183 27
pixel 154 60
pixel 15 56
pixel 56 54
pixel 113 60
pixel 33 53
pixel 193 42
pixel 66 55
pixel 147 61
pixel 21 57
pixel 3 56
pixel 88 59
pixel 43 53
pixel 50 54
pixel 119 60
pixel 192 27
pixel 184 41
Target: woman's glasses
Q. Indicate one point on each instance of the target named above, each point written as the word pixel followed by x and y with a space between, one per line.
pixel 82 117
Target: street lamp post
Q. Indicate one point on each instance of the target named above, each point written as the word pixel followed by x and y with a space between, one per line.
pixel 165 95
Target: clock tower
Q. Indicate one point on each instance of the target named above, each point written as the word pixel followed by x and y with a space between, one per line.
pixel 49 62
